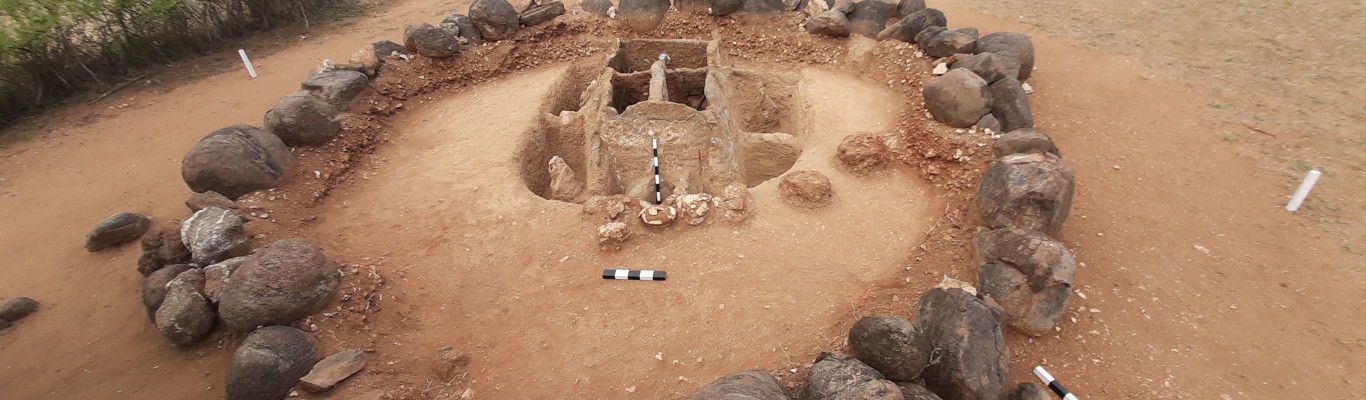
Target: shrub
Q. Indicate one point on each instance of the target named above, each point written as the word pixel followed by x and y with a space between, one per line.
pixel 51 50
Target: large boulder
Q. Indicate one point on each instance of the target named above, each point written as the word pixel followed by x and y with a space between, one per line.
pixel 1017 47
pixel 948 43
pixel 840 377
pixel 199 201
pixel 892 346
pixel 1024 141
pixel 870 17
pixel 829 23
pixel 17 309
pixel 724 7
pixel 386 48
pixel 449 24
pixel 429 41
pixel 301 119
pixel 844 6
pixel 236 160
pixel 214 234
pixel 597 7
pixel 185 317
pixel 909 26
pixel 959 98
pixel 986 65
pixel 923 38
pixel 161 248
pixel 279 284
pixel 269 362
pixel 218 275
pixel 495 19
pixel 543 13
pixel 1009 105
pixel 644 15
pixel 969 345
pixel 1026 191
pixel 908 7
pixel 463 27
pixel 118 229
pixel 154 287
pixel 336 87
pixel 806 189
pixel 744 385
pixel 1029 274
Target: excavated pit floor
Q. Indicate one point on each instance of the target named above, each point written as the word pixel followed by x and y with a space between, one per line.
pixel 522 292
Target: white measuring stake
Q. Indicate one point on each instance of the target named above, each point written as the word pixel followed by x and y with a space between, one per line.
pixel 247 61
pixel 1303 191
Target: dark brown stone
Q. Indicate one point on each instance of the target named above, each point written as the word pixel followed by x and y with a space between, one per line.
pixel 237 160
pixel 279 284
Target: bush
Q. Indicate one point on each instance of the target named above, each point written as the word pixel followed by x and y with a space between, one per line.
pixel 51 50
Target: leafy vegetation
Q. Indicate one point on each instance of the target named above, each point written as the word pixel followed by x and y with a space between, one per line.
pixel 51 50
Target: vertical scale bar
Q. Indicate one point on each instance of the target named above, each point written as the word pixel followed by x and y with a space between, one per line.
pixel 659 195
pixel 245 60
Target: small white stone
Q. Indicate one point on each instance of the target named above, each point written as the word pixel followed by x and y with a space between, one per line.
pixel 941 69
pixel 1027 89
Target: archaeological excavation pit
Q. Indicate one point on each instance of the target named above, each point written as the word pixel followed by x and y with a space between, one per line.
pixel 716 125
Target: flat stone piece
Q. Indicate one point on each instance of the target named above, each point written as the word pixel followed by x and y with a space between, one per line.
pixel 332 370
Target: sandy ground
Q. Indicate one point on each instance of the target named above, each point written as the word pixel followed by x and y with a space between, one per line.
pixel 1196 283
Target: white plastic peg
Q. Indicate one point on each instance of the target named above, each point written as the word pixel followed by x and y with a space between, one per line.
pixel 247 61
pixel 1303 191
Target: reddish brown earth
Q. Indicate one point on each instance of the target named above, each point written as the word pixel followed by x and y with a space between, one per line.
pixel 1196 283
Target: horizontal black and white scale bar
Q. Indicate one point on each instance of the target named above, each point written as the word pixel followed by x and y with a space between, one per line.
pixel 634 274
pixel 1053 384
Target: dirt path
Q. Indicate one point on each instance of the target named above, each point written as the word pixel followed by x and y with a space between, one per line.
pixel 1270 308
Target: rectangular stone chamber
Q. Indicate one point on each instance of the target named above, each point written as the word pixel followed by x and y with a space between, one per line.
pixel 687 103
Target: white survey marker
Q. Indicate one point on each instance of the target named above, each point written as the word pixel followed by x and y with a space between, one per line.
pixel 250 70
pixel 1303 192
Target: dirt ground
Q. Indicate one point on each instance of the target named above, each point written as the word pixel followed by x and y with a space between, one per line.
pixel 1195 282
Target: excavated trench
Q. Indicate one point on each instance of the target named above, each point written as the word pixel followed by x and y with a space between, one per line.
pixel 716 125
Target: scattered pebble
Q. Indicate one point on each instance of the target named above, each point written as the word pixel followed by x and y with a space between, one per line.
pixel 941 69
